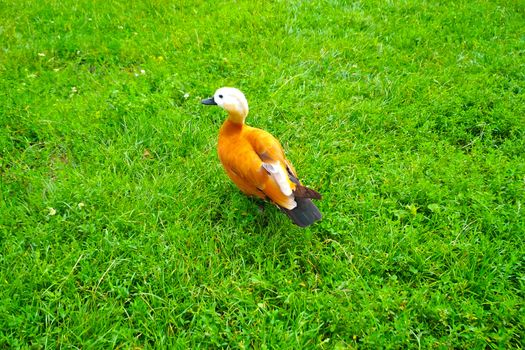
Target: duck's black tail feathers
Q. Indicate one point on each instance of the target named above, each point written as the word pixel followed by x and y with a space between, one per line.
pixel 305 213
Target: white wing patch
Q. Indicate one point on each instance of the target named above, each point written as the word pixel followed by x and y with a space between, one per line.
pixel 279 175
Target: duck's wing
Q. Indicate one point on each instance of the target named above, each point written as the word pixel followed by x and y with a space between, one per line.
pixel 277 166
pixel 299 206
pixel 268 148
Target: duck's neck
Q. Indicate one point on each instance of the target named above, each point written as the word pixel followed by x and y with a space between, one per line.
pixel 236 117
pixel 231 127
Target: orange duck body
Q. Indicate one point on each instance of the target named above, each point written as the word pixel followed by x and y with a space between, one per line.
pixel 255 161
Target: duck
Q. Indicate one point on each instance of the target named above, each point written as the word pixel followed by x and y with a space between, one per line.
pixel 255 161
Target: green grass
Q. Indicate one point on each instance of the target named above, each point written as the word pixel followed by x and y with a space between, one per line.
pixel 118 227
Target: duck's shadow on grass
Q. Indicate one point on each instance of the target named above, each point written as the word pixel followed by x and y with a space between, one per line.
pixel 254 226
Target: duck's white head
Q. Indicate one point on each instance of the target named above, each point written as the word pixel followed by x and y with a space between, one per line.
pixel 232 100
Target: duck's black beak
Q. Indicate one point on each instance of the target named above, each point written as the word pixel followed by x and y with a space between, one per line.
pixel 209 101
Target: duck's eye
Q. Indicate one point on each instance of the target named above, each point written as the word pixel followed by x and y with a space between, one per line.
pixel 220 96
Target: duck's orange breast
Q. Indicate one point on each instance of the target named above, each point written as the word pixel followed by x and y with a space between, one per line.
pixel 239 160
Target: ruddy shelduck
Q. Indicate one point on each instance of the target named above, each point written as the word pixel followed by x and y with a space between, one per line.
pixel 255 161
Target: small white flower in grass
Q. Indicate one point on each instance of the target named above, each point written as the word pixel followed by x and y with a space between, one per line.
pixel 73 91
pixel 52 211
pixel 142 71
pixel 41 54
pixel 81 205
pixel 186 96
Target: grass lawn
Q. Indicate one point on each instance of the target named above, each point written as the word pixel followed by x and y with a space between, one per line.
pixel 119 228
